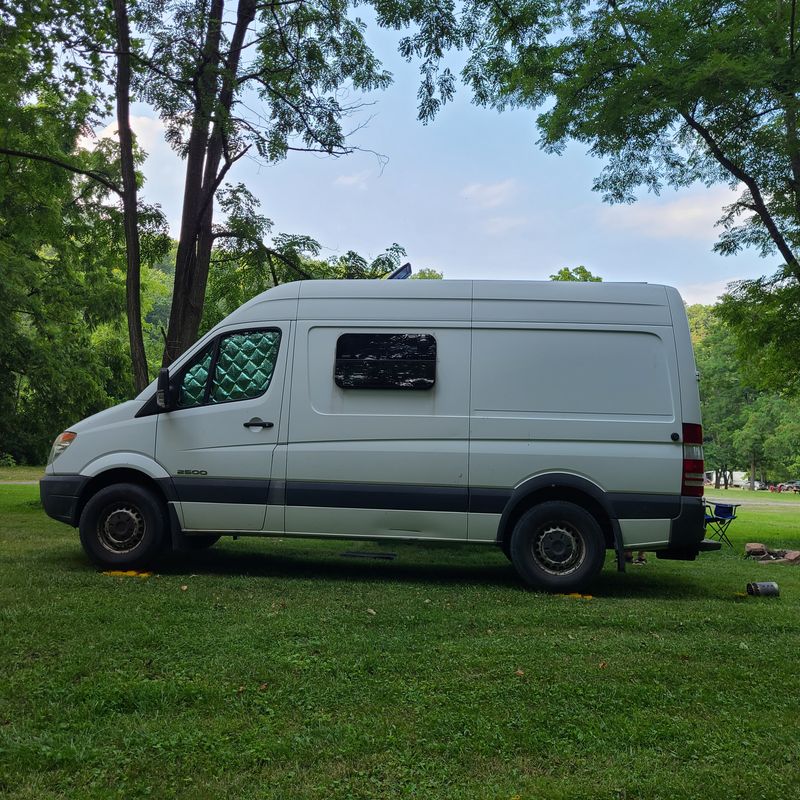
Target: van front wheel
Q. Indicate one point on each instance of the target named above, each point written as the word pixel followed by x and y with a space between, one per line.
pixel 122 526
pixel 557 547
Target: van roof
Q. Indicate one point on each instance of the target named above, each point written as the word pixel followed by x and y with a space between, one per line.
pixel 282 301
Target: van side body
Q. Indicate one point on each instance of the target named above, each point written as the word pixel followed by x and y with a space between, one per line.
pixel 548 418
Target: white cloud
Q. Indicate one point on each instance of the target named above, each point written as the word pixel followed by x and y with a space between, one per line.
pixel 357 180
pixel 689 216
pixel 495 226
pixel 149 134
pixel 163 168
pixel 705 293
pixel 490 195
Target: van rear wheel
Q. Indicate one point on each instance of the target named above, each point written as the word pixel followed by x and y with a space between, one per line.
pixel 122 526
pixel 557 547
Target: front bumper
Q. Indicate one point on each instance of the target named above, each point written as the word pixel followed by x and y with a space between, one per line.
pixel 60 495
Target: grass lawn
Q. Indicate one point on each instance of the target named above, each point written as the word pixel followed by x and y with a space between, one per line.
pixel 279 669
pixel 21 473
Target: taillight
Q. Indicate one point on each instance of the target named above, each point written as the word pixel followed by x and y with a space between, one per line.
pixel 693 462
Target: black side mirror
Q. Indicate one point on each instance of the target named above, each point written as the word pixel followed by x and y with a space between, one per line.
pixel 164 391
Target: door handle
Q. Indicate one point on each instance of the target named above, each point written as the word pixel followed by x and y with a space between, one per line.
pixel 257 422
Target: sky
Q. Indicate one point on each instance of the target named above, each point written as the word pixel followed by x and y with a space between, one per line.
pixel 472 196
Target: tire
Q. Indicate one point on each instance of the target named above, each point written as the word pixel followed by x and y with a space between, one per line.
pixel 196 542
pixel 123 526
pixel 557 547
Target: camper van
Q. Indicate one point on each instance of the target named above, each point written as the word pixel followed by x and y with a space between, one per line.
pixel 554 420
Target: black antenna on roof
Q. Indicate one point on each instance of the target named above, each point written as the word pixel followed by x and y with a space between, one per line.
pixel 401 273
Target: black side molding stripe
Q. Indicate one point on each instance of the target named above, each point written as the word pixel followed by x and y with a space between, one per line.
pixel 221 490
pixel 404 497
pixel 376 495
pixel 488 501
pixel 645 506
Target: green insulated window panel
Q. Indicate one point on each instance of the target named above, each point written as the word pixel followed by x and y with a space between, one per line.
pixel 385 361
pixel 193 385
pixel 244 365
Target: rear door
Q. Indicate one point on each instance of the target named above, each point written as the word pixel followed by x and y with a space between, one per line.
pixel 218 443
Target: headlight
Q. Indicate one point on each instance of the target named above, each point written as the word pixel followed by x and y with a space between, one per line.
pixel 60 445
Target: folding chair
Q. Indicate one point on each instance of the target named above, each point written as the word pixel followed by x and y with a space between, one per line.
pixel 718 520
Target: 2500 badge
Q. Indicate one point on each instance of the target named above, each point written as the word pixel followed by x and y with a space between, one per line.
pixel 191 472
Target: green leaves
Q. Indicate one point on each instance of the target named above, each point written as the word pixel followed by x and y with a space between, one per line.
pixel 579 273
pixel 666 94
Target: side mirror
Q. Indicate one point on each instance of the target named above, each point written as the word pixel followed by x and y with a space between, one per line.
pixel 164 391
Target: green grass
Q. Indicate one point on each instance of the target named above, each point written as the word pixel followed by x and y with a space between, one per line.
pixel 746 496
pixel 268 676
pixel 21 473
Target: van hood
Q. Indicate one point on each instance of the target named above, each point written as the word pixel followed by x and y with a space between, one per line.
pixel 123 411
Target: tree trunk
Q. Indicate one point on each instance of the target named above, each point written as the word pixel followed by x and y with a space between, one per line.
pixel 178 335
pixel 207 163
pixel 717 478
pixel 752 472
pixel 129 199
pixel 725 476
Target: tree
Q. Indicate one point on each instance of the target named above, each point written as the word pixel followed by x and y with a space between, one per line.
pixel 666 94
pixel 427 274
pixel 59 53
pixel 129 196
pixel 579 273
pixel 292 59
pixel 235 277
pixel 723 393
pixel 59 251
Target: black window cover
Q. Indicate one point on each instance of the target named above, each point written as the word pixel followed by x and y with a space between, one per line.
pixel 385 361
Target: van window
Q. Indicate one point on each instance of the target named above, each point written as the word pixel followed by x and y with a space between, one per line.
pixel 385 361
pixel 245 365
pixel 193 385
pixel 242 365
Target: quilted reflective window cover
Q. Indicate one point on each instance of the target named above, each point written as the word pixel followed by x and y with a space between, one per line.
pixel 193 386
pixel 244 365
pixel 385 361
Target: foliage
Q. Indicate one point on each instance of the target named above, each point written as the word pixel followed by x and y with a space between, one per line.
pixel 236 275
pixel 59 249
pixel 244 79
pixel 579 273
pixel 665 94
pixel 723 394
pixel 427 274
pixel 745 428
pixel 765 316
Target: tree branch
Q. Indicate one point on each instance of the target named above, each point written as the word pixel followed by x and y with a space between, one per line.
pixel 89 173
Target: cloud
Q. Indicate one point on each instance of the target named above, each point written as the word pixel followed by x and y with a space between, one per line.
pixel 689 216
pixel 149 134
pixel 163 168
pixel 495 226
pixel 490 195
pixel 357 180
pixel 705 293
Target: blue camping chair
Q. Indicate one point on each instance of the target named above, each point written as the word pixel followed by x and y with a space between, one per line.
pixel 718 520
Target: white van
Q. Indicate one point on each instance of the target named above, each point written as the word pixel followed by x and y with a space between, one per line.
pixel 555 420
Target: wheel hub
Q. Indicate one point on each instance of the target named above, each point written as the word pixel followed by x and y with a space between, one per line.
pixel 121 529
pixel 558 548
